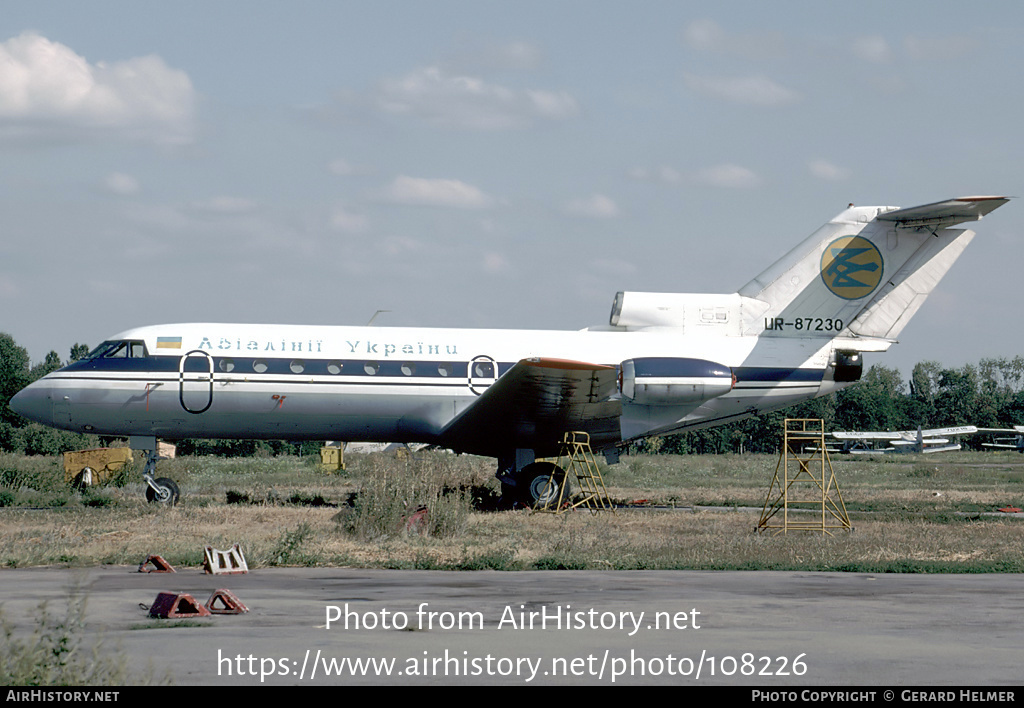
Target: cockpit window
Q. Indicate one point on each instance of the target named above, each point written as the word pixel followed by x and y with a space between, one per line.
pixel 99 351
pixel 125 349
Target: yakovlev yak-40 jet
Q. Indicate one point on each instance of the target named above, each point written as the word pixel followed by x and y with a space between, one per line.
pixel 665 363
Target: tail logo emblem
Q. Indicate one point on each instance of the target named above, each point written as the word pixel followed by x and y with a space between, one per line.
pixel 851 267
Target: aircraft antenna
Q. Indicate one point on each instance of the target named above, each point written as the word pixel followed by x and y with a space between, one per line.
pixel 370 323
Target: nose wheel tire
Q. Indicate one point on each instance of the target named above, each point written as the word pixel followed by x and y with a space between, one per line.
pixel 166 492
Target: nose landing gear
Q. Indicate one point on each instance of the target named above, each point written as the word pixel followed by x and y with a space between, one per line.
pixel 161 490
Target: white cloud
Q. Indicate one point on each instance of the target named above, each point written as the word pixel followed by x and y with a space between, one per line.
pixel 341 167
pixel 873 48
pixel 704 35
pixel 502 56
pixel 751 90
pixel 708 36
pixel 226 205
pixel 120 183
pixel 825 170
pixel 8 287
pixel 495 263
pixel 946 48
pixel 400 245
pixel 418 191
pixel 469 102
pixel 616 267
pixel 348 222
pixel 728 176
pixel 664 173
pixel 597 206
pixel 45 85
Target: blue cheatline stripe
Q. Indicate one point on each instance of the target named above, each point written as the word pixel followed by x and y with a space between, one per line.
pixel 668 367
pixel 297 366
pixel 777 374
pixel 241 366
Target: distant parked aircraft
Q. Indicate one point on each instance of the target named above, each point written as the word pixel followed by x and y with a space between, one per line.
pixel 922 441
pixel 1012 439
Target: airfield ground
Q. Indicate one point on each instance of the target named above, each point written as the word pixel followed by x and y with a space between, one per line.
pixel 926 514
pixel 924 590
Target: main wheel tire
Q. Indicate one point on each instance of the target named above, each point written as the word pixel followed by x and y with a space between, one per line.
pixel 166 492
pixel 540 483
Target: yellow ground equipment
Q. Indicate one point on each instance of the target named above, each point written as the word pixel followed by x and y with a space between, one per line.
pixel 804 494
pixel 575 459
pixel 89 468
pixel 332 458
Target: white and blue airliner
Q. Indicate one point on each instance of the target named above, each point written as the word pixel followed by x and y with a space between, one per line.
pixel 664 363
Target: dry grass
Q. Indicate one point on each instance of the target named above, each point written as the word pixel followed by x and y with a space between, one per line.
pixel 901 526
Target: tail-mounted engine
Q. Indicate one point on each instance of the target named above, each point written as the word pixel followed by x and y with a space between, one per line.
pixel 667 381
pixel 846 366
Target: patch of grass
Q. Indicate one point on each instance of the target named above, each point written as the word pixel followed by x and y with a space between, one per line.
pixel 55 654
pixel 904 521
pixel 288 546
pixel 413 498
pixel 559 563
pixel 497 559
pixel 299 499
pixel 163 624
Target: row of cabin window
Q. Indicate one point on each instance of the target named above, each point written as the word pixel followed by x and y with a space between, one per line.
pixel 297 366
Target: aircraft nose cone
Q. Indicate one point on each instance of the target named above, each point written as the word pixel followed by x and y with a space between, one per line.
pixel 33 402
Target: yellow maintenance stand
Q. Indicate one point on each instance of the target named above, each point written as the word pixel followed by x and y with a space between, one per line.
pixel 804 482
pixel 577 459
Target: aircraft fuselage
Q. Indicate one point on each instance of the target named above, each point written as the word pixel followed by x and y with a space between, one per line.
pixel 382 384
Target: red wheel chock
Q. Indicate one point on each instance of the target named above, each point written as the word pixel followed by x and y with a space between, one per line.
pixel 224 602
pixel 169 605
pixel 161 566
pixel 418 521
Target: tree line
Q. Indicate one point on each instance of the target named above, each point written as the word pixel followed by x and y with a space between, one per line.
pixel 989 394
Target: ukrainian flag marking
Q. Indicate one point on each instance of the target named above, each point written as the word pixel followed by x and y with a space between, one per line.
pixel 168 342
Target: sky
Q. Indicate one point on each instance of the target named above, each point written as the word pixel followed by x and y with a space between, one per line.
pixel 487 164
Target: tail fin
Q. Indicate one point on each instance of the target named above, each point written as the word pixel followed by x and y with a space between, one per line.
pixel 867 271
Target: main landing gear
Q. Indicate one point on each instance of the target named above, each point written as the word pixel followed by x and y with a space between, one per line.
pixel 530 483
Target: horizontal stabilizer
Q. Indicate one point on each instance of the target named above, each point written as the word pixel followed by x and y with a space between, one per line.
pixel 947 213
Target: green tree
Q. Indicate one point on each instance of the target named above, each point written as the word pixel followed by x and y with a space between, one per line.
pixel 50 364
pixel 956 403
pixel 78 351
pixel 872 403
pixel 14 375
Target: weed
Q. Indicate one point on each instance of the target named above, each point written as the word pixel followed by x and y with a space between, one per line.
pixel 289 544
pixel 500 559
pixel 413 499
pixel 56 655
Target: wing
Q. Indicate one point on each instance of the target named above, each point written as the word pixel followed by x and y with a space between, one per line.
pixel 534 404
pixel 957 430
pixel 841 435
